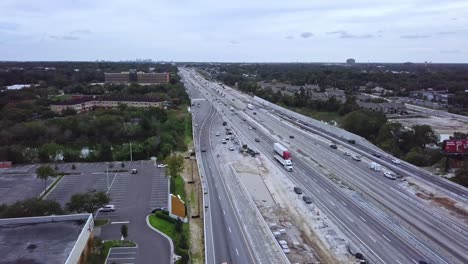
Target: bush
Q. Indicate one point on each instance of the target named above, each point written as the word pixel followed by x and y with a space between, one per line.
pixel 165 216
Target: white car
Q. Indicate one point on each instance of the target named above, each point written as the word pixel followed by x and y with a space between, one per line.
pixel 231 148
pixel 347 153
pixel 357 158
pixel 107 208
pixel 397 162
pixel 217 134
pixel 162 165
pixel 389 175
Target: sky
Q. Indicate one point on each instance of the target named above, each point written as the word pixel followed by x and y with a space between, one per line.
pixel 235 31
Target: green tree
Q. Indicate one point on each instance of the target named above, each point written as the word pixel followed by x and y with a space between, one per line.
pixel 30 207
pixel 105 153
pixel 87 202
pixel 423 135
pixel 461 175
pixel 175 165
pixel 364 123
pixel 44 172
pixel 124 231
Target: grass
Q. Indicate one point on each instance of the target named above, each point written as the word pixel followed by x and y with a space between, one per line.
pixel 179 187
pixel 51 187
pixel 101 222
pixel 319 115
pixel 188 138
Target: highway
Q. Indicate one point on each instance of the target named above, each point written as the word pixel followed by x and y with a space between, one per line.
pixel 382 219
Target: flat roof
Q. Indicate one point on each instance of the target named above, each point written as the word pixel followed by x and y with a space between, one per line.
pixel 37 240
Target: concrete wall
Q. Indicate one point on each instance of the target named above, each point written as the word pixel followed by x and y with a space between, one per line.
pixel 81 242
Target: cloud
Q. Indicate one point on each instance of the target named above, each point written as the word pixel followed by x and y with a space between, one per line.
pixel 289 37
pixel 81 32
pixel 307 34
pixel 415 36
pixel 345 34
pixel 451 51
pixel 446 33
pixel 234 42
pixel 8 26
pixel 65 37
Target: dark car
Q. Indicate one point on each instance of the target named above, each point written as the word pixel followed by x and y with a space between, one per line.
pixel 254 128
pixel 376 155
pixel 291 137
pixel 307 199
pixel 298 190
pixel 257 140
pixel 159 209
pixel 333 146
pixel 254 113
pixel 203 150
pixel 224 123
pixel 352 141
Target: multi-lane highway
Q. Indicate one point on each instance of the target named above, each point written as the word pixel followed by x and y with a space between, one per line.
pixel 386 222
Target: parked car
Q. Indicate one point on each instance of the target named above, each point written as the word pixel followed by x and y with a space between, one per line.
pixel 376 155
pixel 291 137
pixel 203 150
pixel 298 190
pixel 257 140
pixel 307 199
pixel 224 141
pixel 231 148
pixel 396 161
pixel 159 209
pixel 352 141
pixel 357 158
pixel 107 208
pixel 162 165
pixel 347 153
pixel 333 146
pixel 217 134
pixel 134 171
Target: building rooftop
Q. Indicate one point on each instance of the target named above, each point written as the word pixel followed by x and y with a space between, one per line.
pixel 36 240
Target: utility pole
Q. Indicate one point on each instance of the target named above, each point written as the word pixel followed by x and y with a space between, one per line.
pixel 131 157
pixel 107 175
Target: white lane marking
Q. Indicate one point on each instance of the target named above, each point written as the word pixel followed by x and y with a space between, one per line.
pixel 318 191
pixel 343 203
pixel 350 219
pixel 122 258
pixel 229 229
pixel 414 261
pixel 373 239
pixel 398 261
pixel 332 204
pixel 237 252
pixel 113 253
pixel 363 219
pixel 224 212
pixel 314 179
pixel 327 190
pixel 121 222
pixel 219 197
pixel 386 238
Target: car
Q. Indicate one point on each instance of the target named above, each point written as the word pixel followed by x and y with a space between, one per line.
pixel 357 158
pixel 377 155
pixel 224 141
pixel 196 125
pixel 298 190
pixel 159 209
pixel 107 208
pixel 227 138
pixel 333 146
pixel 231 148
pixel 347 153
pixel 254 113
pixel 250 127
pixel 257 140
pixel 352 141
pixel 224 123
pixel 291 137
pixel 254 128
pixel 217 134
pixel 203 150
pixel 389 174
pixel 307 199
pixel 396 161
pixel 243 119
pixel 134 171
pixel 162 165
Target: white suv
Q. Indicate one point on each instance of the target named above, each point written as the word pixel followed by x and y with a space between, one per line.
pixel 107 208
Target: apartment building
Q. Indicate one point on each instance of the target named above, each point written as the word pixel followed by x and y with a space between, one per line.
pixel 117 78
pixel 136 77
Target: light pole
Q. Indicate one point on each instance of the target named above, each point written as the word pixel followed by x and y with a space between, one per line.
pixel 107 175
pixel 131 157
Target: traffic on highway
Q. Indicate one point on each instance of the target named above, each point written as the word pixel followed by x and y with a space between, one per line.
pixel 370 203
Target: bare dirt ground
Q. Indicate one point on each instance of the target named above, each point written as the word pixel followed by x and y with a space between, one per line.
pixel 440 125
pixel 193 191
pixel 435 198
pixel 309 235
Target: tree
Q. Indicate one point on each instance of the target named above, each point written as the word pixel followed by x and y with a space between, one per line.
pixel 364 123
pixel 124 231
pixel 30 207
pixel 423 135
pixel 87 202
pixel 175 165
pixel 44 172
pixel 461 176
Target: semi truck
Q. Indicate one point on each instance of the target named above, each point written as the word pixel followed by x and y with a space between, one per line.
pixel 249 106
pixel 283 156
pixel 375 166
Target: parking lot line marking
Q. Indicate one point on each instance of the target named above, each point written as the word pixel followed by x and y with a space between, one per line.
pixel 237 252
pixel 123 253
pixel 363 219
pixel 224 212
pixel 121 222
pixel 373 239
pixel 343 203
pixel 229 230
pixel 386 238
pixel 332 203
pixel 350 219
pixel 123 258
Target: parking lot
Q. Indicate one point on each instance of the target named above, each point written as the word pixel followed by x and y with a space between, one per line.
pixel 122 255
pixel 20 183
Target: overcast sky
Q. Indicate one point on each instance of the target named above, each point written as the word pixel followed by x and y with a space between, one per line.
pixel 239 30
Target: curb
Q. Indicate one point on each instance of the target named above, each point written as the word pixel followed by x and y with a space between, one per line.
pixel 161 233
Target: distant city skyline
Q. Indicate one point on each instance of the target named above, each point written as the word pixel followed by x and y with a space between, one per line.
pixel 238 31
